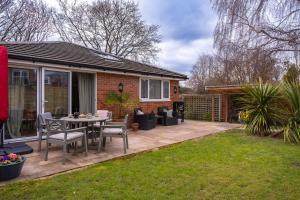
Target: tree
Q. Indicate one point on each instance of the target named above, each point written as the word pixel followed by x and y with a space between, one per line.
pixel 205 72
pixel 24 20
pixel 234 66
pixel 111 26
pixel 272 25
pixel 254 36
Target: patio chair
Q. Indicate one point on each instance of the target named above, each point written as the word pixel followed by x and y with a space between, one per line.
pixel 114 129
pixel 109 116
pixel 104 113
pixel 41 126
pixel 57 133
pixel 167 117
pixel 146 121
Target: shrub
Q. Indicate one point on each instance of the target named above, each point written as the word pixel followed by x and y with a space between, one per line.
pixel 291 129
pixel 262 103
pixel 120 100
pixel 244 116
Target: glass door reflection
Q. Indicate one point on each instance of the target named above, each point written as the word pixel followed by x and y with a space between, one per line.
pixel 56 93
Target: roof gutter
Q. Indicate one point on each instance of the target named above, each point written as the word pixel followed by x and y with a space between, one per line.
pixel 78 65
pixel 84 69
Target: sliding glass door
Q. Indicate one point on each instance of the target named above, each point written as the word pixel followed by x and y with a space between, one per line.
pixel 22 94
pixel 83 92
pixel 38 90
pixel 56 92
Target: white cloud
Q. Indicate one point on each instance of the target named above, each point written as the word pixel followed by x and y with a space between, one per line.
pixel 182 55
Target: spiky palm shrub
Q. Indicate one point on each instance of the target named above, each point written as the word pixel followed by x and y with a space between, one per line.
pixel 262 103
pixel 291 129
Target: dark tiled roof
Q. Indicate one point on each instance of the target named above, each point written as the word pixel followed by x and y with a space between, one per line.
pixel 78 56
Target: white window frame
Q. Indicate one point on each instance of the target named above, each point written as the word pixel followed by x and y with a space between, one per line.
pixel 21 73
pixel 162 90
pixel 15 66
pixel 69 86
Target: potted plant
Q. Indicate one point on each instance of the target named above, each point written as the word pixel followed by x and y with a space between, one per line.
pixel 122 101
pixel 135 126
pixel 10 166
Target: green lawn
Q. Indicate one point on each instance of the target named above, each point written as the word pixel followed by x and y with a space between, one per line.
pixel 225 166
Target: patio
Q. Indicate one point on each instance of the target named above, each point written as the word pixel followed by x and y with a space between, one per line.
pixel 139 141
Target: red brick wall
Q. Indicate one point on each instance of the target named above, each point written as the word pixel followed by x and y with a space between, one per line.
pixel 109 82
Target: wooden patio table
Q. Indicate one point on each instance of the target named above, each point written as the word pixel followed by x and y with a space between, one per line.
pixel 78 122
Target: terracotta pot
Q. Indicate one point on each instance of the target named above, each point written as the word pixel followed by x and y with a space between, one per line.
pixel 135 126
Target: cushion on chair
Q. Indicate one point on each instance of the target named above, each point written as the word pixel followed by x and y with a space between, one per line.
pixel 70 136
pixel 169 113
pixel 112 131
pixel 96 125
pixel 139 112
pixel 102 113
pixel 44 131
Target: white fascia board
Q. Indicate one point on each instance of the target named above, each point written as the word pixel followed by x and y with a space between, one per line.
pixel 83 69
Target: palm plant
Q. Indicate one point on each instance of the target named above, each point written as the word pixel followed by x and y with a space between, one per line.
pixel 262 104
pixel 291 129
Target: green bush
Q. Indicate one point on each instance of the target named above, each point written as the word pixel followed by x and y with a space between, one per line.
pixel 262 103
pixel 120 100
pixel 291 128
pixel 268 107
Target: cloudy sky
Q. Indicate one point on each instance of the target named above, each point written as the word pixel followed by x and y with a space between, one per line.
pixel 186 27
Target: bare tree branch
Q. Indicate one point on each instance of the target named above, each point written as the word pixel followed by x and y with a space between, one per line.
pixel 111 26
pixel 24 20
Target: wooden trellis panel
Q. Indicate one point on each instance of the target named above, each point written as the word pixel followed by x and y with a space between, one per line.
pixel 199 107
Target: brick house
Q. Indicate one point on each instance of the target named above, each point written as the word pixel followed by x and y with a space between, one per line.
pixel 62 78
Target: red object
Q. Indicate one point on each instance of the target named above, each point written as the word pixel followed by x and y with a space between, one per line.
pixel 3 84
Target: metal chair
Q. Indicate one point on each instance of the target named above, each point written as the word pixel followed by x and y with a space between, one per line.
pixel 109 118
pixel 114 129
pixel 41 126
pixel 57 133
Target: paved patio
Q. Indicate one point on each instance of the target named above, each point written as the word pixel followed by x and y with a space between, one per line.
pixel 36 167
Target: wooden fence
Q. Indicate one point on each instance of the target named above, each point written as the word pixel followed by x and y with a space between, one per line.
pixel 203 107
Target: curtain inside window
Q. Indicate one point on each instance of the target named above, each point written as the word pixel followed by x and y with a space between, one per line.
pixel 86 92
pixel 16 107
pixel 166 89
pixel 144 89
pixel 155 89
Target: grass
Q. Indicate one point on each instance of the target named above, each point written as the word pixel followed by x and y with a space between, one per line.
pixel 229 165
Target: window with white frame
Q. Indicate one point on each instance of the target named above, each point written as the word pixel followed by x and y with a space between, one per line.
pixel 166 89
pixel 144 89
pixel 154 89
pixel 20 75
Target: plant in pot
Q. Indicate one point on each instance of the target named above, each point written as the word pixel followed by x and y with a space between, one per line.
pixel 10 166
pixel 135 126
pixel 122 101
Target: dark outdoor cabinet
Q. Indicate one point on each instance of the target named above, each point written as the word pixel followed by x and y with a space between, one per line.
pixel 178 107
